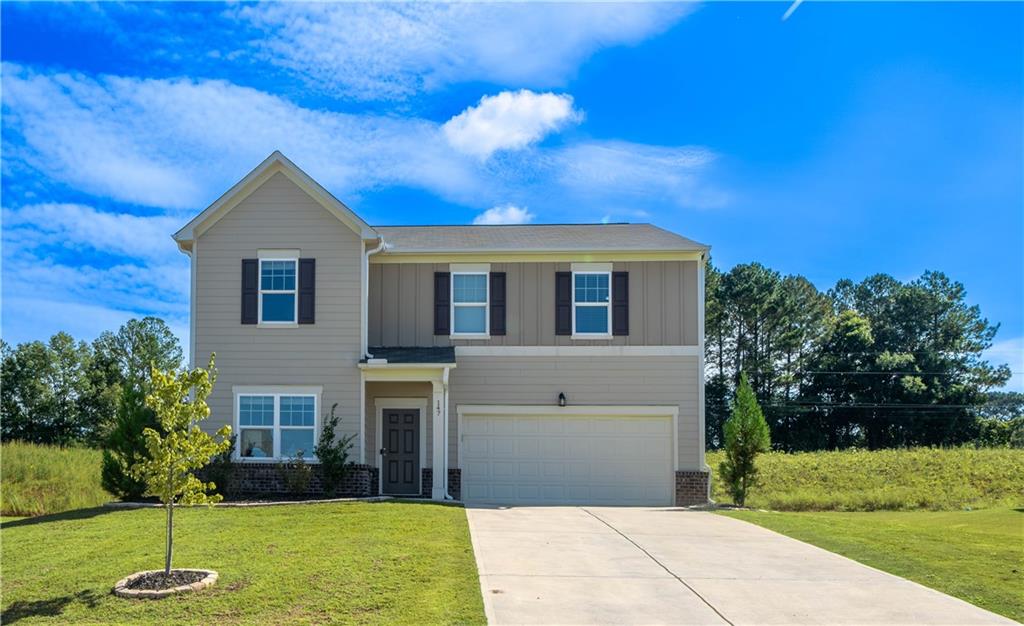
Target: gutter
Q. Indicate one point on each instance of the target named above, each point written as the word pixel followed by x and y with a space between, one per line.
pixel 444 386
pixel 365 299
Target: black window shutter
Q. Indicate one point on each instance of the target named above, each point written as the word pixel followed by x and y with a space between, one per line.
pixel 563 303
pixel 442 303
pixel 620 303
pixel 307 291
pixel 250 290
pixel 497 303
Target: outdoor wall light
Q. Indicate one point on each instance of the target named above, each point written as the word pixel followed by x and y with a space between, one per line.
pixel 561 399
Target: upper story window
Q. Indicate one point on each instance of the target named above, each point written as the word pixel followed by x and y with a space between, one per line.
pixel 279 303
pixel 470 303
pixel 274 426
pixel 591 303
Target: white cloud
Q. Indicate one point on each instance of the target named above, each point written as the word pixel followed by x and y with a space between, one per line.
pixel 505 214
pixel 509 121
pixel 673 174
pixel 392 51
pixel 77 268
pixel 179 143
pixel 82 227
pixel 1009 352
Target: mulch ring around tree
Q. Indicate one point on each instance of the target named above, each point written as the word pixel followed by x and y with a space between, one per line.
pixel 155 584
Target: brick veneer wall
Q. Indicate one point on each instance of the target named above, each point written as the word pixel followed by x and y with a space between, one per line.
pixel 264 479
pixel 454 482
pixel 692 488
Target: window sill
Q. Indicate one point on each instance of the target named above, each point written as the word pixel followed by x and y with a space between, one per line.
pixel 469 336
pixel 278 324
pixel 585 337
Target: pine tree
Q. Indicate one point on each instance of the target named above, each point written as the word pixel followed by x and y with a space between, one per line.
pixel 746 436
pixel 125 445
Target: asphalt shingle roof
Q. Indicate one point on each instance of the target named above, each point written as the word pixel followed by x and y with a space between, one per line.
pixel 534 237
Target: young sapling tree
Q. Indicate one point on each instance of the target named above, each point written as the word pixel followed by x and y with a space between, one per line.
pixel 179 401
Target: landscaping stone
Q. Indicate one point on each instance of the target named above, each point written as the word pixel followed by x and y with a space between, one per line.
pixel 153 584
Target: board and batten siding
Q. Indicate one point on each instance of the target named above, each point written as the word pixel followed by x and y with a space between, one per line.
pixel 663 303
pixel 604 380
pixel 279 215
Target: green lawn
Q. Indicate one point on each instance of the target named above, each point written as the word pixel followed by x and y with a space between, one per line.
pixel 389 562
pixel 977 556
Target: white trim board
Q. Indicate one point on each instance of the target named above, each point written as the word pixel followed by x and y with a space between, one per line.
pixel 379 404
pixel 582 351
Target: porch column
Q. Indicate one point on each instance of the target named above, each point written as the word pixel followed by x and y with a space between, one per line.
pixel 440 472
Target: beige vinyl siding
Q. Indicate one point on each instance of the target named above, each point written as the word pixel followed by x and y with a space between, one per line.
pixel 394 389
pixel 635 380
pixel 663 303
pixel 279 215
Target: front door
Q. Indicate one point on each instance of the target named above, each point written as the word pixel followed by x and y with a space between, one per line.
pixel 400 456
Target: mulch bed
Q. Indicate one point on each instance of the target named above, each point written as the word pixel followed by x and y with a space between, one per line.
pixel 159 581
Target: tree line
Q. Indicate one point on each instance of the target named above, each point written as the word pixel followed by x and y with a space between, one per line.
pixel 875 364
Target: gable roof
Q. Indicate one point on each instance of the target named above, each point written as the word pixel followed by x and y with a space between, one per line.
pixel 273 164
pixel 535 238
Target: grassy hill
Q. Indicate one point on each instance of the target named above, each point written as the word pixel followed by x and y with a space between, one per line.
pixel 891 480
pixel 39 480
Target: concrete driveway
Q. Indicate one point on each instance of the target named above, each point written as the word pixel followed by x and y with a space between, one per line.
pixel 602 565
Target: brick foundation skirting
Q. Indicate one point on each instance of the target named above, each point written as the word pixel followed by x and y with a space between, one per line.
pixel 692 488
pixel 454 482
pixel 265 479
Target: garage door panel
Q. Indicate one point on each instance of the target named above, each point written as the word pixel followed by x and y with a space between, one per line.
pixel 554 459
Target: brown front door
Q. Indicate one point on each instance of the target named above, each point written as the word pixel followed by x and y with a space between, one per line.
pixel 400 456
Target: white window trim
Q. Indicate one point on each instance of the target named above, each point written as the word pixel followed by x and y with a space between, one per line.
pixel 486 304
pixel 276 393
pixel 581 335
pixel 295 292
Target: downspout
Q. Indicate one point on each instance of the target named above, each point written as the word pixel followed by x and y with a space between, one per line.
pixel 444 386
pixel 364 330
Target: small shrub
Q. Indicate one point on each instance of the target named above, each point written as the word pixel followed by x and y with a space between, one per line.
pixel 746 436
pixel 296 474
pixel 333 454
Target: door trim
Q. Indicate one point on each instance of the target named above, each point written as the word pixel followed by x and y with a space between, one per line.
pixel 380 404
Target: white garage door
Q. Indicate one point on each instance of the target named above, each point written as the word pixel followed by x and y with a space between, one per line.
pixel 577 455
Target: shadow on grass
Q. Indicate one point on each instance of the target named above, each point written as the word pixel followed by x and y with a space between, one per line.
pixel 59 517
pixel 51 607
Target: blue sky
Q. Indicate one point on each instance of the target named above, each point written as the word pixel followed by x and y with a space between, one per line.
pixel 850 139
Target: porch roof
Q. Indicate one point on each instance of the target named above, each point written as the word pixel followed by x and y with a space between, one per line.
pixel 432 355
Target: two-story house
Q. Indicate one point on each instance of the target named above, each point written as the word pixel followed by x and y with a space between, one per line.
pixel 543 364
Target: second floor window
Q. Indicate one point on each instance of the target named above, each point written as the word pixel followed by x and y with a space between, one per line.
pixel 591 303
pixel 278 300
pixel 469 303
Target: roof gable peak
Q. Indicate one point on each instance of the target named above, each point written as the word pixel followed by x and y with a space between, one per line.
pixel 273 164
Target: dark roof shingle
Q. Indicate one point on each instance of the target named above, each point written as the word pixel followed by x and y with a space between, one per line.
pixel 439 354
pixel 534 238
